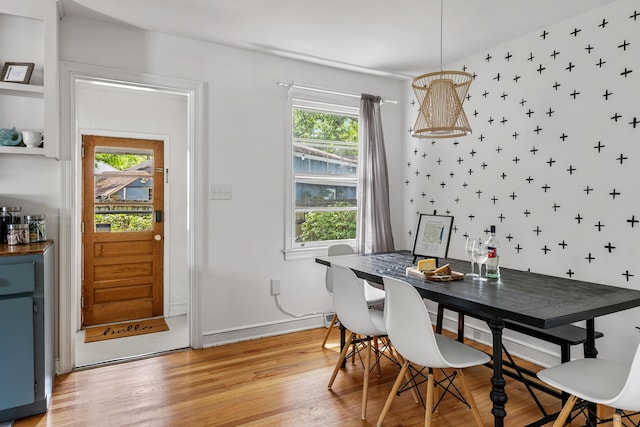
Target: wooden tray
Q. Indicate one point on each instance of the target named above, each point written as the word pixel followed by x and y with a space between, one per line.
pixel 427 275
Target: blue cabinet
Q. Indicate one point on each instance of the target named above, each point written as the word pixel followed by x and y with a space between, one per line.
pixel 27 325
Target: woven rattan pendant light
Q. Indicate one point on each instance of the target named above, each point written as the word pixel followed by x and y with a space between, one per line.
pixel 440 97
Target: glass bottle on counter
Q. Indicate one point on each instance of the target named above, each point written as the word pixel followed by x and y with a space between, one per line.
pixel 493 262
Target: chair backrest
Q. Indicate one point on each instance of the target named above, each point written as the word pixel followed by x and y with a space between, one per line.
pixel 333 250
pixel 409 325
pixel 350 303
pixel 629 397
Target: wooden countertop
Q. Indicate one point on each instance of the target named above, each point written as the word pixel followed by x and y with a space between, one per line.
pixel 31 248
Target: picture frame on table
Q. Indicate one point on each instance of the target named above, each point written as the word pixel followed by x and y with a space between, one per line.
pixel 433 234
pixel 17 72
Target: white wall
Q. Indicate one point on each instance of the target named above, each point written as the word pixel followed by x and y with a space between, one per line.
pixel 246 146
pixel 576 163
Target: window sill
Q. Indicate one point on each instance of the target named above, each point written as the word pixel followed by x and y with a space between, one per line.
pixel 294 254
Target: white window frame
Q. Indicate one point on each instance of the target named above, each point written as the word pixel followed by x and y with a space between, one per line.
pixel 323 103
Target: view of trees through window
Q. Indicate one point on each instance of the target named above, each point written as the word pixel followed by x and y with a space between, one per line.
pixel 325 162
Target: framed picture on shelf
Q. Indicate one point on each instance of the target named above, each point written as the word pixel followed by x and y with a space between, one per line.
pixel 432 236
pixel 17 72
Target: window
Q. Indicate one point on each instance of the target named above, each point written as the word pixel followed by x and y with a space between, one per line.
pixel 324 173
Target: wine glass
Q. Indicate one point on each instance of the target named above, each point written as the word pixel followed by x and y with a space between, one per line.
pixel 480 255
pixel 468 251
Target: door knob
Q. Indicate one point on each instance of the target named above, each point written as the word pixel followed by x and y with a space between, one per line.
pixel 157 237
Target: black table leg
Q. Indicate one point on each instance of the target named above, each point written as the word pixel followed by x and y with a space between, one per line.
pixel 590 351
pixel 498 395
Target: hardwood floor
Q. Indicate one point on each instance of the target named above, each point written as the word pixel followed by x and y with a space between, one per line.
pixel 276 381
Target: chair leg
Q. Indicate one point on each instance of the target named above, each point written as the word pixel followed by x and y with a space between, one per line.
pixel 469 397
pixel 365 382
pixel 617 419
pixel 343 354
pixel 394 391
pixel 377 348
pixel 566 411
pixel 333 322
pixel 429 403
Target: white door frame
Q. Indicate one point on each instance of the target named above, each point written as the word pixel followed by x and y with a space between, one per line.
pixel 69 245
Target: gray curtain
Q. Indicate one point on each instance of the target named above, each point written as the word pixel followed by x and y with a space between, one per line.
pixel 374 218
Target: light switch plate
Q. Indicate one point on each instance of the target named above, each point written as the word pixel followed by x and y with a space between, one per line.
pixel 220 192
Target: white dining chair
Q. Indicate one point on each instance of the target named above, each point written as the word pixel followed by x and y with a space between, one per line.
pixel 373 295
pixel 363 323
pixel 410 331
pixel 598 381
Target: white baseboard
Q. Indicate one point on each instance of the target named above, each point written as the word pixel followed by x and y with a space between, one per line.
pixel 216 338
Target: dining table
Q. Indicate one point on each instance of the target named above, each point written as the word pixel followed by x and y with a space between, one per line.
pixel 530 298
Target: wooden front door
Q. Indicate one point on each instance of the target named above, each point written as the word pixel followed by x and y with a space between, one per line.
pixel 123 202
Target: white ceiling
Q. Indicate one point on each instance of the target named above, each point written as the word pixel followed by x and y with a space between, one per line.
pixel 397 38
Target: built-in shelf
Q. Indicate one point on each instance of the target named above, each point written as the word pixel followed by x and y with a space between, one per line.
pixel 19 88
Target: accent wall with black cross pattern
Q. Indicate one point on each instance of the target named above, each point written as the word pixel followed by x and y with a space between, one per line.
pixel 554 158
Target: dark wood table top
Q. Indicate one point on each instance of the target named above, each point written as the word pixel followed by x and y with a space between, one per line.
pixel 530 298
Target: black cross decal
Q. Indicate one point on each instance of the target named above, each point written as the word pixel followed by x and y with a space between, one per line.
pixel 485 93
pixel 501 217
pixel 556 86
pixel 468 97
pixel 614 193
pixel 516 160
pixel 464 68
pixel 451 174
pixel 503 176
pixel 570 273
pixel 634 122
pixel 424 194
pixel 530 112
pixel 442 184
pixel 550 112
pixel 599 226
pixel 415 152
pixel 601 63
pixel 550 162
pixel 465 185
pixel 607 94
pixel 632 220
pixel 574 94
pixel 516 78
pixel 439 161
pixel 589 48
pixel 428 175
pixel 523 101
pixel 545 187
pixel 603 24
pixel 563 244
pixel 472 152
pixel 588 189
pixel 513 195
pixel 508 57
pixel 529 180
pixel 417 173
pixel 626 72
pixel 564 136
pixel 571 169
pixel 490 121
pixel 635 15
pixel 494 199
pixel 460 160
pixel 504 121
pixel 518 248
pixel 432 201
pixel 554 54
pixel 488 58
pixel 627 274
pixel 411 201
pixel 470 171
pixel 409 164
pixel 579 218
pixel 526 213
pixel 589 258
pixel 616 117
pixel 499 149
pixel 479 192
pixel 575 32
pixel 570 67
pixel 534 150
pixel 481 137
pixel 546 249
pixel 471 217
pixel 537 230
pixel 515 135
pixel 457 200
pixel 484 166
pixel 609 247
pixel 541 69
pixel 413 102
pixel 509 237
pixel 424 155
pixel 475 113
pixel 504 96
pixel 599 146
pixel 622 158
pixel 407 182
pixel 555 207
pixel 624 45
pixel 544 34
pixel 497 77
pixel 537 130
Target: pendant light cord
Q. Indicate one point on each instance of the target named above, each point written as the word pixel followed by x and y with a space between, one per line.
pixel 441 18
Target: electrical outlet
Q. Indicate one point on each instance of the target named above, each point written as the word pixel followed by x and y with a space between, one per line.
pixel 275 286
